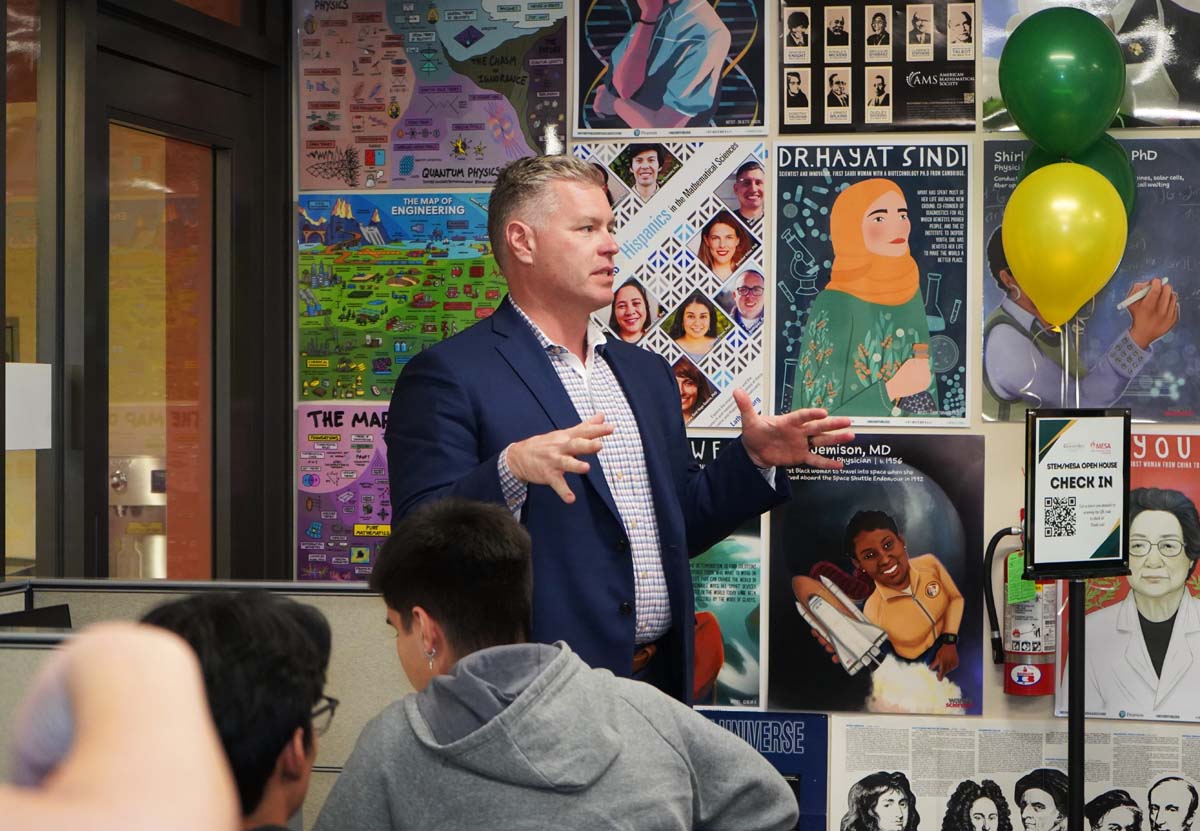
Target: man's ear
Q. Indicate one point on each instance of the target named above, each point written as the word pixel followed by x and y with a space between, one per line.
pixel 522 242
pixel 293 760
pixel 430 631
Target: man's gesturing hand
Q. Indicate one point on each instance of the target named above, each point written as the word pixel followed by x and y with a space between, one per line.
pixel 789 439
pixel 548 458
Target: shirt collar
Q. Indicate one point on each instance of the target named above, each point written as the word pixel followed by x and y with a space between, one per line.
pixel 595 339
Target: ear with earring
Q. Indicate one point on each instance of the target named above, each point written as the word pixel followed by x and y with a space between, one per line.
pixel 430 654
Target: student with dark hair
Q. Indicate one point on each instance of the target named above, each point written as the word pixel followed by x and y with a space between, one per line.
pixel 264 658
pixel 1113 810
pixel 1041 795
pixel 503 733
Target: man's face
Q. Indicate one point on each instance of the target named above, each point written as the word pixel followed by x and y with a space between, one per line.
pixel 1118 819
pixel 964 28
pixel 572 248
pixel 919 23
pixel 1169 806
pixel 750 187
pixel 1039 813
pixel 880 86
pixel 839 85
pixel 882 555
pixel 1153 574
pixel 793 89
pixel 891 811
pixel 984 815
pixel 645 168
pixel 837 25
pixel 749 294
pixel 798 31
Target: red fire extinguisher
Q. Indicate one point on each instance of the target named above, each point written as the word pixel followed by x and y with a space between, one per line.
pixel 1025 645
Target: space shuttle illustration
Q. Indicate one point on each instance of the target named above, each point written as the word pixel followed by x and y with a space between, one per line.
pixel 857 642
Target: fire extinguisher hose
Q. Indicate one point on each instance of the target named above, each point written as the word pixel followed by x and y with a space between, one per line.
pixel 989 598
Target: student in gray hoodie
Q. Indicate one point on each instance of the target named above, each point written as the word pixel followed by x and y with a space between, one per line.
pixel 507 734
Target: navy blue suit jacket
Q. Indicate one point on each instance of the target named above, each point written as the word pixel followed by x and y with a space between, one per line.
pixel 458 404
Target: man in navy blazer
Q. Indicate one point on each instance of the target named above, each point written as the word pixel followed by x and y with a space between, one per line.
pixel 582 437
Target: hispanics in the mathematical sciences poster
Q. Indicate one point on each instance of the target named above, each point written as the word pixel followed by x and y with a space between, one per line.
pixel 1142 647
pixel 690 283
pixel 1158 40
pixel 343 512
pixel 398 94
pixel 381 277
pixel 874 577
pixel 1125 347
pixel 686 67
pixel 871 281
pixel 876 67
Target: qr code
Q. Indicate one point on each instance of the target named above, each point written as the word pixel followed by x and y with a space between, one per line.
pixel 1059 516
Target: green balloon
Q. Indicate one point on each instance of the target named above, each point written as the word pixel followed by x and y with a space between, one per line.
pixel 1062 76
pixel 1107 157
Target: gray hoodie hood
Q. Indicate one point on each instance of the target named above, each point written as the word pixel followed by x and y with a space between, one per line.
pixel 482 717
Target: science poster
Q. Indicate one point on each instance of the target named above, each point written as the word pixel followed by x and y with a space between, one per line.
pixel 874 576
pixel 1158 39
pixel 381 277
pixel 1142 644
pixel 727 581
pixel 871 281
pixel 407 94
pixel 876 67
pixel 691 67
pixel 919 774
pixel 1122 349
pixel 797 745
pixel 689 282
pixel 343 511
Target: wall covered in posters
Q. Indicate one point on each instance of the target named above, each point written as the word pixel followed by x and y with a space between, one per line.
pixel 689 282
pixel 395 94
pixel 381 277
pixel 870 566
pixel 1142 355
pixel 697 69
pixel 1142 652
pixel 871 281
pixel 343 513
pixel 876 67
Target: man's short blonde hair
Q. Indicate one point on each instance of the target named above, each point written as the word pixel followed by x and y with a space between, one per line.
pixel 523 185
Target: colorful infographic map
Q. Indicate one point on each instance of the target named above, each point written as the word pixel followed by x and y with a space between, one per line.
pixel 426 93
pixel 381 278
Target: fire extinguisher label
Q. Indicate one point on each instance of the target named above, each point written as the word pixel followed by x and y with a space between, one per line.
pixel 1025 675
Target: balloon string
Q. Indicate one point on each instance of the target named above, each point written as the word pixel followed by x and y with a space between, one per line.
pixel 1063 355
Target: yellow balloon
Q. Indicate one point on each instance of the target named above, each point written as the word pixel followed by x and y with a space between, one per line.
pixel 1064 235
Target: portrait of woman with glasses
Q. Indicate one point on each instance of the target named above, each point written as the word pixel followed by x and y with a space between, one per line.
pixel 1143 652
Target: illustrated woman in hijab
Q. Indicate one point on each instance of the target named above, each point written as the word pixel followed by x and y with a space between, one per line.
pixel 866 341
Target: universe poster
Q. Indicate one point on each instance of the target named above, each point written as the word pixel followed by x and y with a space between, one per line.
pixel 697 69
pixel 727 583
pixel 1120 352
pixel 1142 644
pixel 343 511
pixel 876 67
pixel 871 281
pixel 689 282
pixel 1158 39
pixel 920 774
pixel 405 94
pixel 874 577
pixel 381 277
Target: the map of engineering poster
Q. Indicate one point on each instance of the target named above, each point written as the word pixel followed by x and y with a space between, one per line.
pixel 1144 356
pixel 398 93
pixel 883 557
pixel 343 511
pixel 689 282
pixel 1142 650
pixel 871 281
pixel 381 277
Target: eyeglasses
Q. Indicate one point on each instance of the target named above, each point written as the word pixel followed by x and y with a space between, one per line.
pixel 746 291
pixel 1167 548
pixel 322 714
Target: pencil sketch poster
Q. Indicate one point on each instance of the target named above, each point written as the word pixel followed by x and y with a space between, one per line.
pixel 871 281
pixel 425 94
pixel 694 68
pixel 689 281
pixel 381 277
pixel 343 511
pixel 1132 344
pixel 1142 644
pixel 874 576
